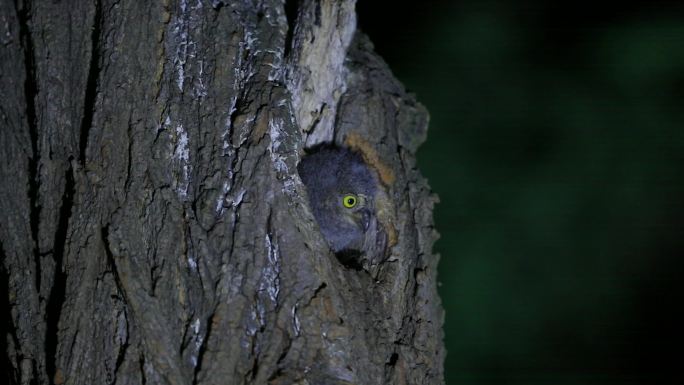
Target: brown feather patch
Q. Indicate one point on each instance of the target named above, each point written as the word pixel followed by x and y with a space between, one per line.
pixel 358 143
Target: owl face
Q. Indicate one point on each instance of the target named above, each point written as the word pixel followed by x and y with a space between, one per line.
pixel 341 191
pixel 351 217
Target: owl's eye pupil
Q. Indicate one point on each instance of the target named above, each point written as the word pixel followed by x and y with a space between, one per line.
pixel 349 201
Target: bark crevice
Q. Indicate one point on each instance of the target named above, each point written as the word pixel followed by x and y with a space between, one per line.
pixel 141 363
pixel 202 349
pixel 91 83
pixel 291 13
pixel 30 93
pixel 56 299
pixel 104 235
pixel 120 357
pixel 10 374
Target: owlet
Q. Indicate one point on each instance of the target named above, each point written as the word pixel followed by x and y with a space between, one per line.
pixel 342 191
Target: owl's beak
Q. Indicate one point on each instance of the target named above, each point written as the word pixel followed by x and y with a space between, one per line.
pixel 365 219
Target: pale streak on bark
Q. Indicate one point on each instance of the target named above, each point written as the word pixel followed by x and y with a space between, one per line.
pixel 318 77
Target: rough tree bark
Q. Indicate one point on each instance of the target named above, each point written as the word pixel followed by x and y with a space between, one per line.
pixel 154 227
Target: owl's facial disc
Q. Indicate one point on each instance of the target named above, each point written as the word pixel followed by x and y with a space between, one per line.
pixel 355 207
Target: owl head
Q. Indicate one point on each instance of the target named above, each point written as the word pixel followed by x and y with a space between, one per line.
pixel 342 190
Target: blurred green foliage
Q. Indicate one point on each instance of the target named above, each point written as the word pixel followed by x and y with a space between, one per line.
pixel 557 149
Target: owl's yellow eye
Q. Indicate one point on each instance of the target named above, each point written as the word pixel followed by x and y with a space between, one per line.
pixel 349 201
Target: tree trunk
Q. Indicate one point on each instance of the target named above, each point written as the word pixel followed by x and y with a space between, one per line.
pixel 155 229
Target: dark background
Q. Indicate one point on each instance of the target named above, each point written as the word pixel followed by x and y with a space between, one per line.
pixel 556 145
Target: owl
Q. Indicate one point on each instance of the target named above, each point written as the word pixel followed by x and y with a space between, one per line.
pixel 342 192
